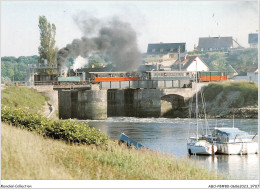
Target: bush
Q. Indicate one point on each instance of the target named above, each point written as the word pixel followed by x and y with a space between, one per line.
pixel 212 90
pixel 248 92
pixel 70 131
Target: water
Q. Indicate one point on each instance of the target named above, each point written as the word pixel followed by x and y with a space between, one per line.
pixel 170 136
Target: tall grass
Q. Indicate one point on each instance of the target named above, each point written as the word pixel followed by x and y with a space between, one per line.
pixel 26 155
pixel 23 97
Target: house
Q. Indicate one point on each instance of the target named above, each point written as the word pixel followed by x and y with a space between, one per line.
pixel 251 74
pixel 253 40
pixel 164 54
pixel 216 43
pixel 188 63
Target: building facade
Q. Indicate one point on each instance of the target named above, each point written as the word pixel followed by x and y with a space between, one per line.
pixel 163 55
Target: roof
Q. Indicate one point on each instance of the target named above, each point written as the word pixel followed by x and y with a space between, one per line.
pixel 252 68
pixel 165 48
pixel 253 38
pixel 215 42
pixel 232 132
pixel 187 62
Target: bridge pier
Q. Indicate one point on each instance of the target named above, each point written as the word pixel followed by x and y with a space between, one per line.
pixel 83 104
pixel 147 102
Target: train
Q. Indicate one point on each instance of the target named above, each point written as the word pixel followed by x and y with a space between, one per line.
pixel 97 77
pixel 77 79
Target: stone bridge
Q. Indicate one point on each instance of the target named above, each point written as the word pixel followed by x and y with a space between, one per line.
pixel 94 102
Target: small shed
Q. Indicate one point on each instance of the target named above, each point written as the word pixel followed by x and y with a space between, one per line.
pixel 251 74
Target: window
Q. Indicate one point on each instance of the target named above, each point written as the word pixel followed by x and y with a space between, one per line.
pixel 171 55
pixel 171 49
pixel 153 50
pixel 161 50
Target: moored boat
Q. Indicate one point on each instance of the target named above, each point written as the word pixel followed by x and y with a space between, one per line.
pixel 200 147
pixel 233 141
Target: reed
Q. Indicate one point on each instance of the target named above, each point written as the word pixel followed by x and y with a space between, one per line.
pixel 27 155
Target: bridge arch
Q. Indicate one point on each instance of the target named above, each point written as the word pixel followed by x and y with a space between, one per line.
pixel 172 106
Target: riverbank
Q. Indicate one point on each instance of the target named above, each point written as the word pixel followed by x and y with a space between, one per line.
pixel 34 156
pixel 225 99
pixel 26 155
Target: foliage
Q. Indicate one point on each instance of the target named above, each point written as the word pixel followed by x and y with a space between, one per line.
pixel 248 92
pixel 47 49
pixel 23 97
pixel 26 155
pixel 212 90
pixel 239 59
pixel 96 61
pixel 70 131
pixel 16 68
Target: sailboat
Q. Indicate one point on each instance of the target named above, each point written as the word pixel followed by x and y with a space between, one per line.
pixel 199 145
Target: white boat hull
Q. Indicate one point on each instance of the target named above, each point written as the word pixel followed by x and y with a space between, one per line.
pixel 201 148
pixel 237 148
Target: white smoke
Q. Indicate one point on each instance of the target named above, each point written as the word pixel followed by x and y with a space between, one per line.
pixel 79 62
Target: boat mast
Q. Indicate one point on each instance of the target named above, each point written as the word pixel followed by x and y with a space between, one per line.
pixel 197 121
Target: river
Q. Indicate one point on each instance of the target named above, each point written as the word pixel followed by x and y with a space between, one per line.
pixel 170 136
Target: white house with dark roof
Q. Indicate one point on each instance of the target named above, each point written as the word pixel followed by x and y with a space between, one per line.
pixel 251 74
pixel 216 43
pixel 189 64
pixel 163 55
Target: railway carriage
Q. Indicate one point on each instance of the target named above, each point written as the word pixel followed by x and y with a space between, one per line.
pixel 212 76
pixel 170 75
pixel 97 77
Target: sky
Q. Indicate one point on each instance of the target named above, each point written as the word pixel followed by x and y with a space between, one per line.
pixel 153 21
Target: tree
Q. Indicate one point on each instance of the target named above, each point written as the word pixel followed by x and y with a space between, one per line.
pixel 47 49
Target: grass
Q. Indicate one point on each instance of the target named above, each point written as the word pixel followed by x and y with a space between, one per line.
pixel 248 92
pixel 26 155
pixel 23 97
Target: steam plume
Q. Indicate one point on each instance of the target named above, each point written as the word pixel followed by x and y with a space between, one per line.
pixel 79 62
pixel 115 39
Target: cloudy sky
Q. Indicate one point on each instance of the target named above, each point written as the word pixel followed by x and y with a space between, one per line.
pixel 153 21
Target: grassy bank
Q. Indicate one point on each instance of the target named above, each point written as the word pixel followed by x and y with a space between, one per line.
pixel 246 93
pixel 228 98
pixel 59 150
pixel 23 97
pixel 26 155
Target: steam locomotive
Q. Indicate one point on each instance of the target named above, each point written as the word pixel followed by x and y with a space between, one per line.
pixel 77 79
pixel 97 77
